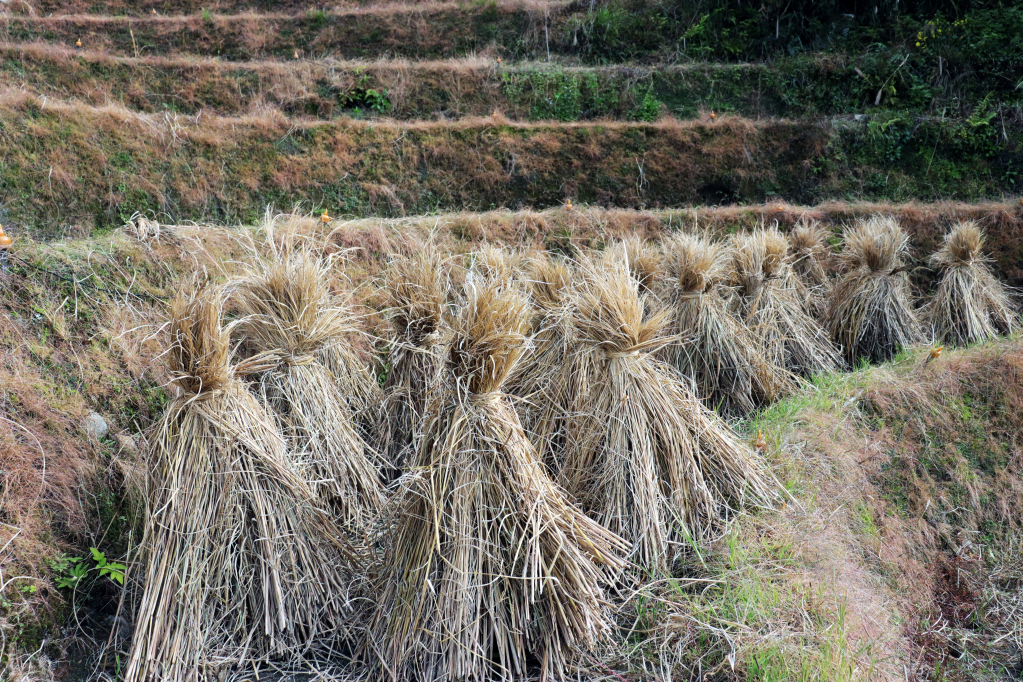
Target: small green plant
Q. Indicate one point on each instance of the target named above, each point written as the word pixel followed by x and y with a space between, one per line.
pixel 108 569
pixel 71 572
pixel 207 16
pixel 317 19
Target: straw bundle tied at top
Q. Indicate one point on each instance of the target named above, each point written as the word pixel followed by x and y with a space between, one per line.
pixel 970 304
pixel 241 565
pixel 642 454
pixel 537 379
pixel 488 566
pixel 417 290
pixel 771 308
pixel 810 258
pixel 870 314
pixel 729 366
pixel 286 310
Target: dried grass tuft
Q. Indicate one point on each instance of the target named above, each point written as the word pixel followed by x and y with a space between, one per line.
pixel 869 312
pixel 417 289
pixel 287 313
pixel 969 305
pixel 241 565
pixel 709 345
pixel 771 306
pixel 642 455
pixel 490 569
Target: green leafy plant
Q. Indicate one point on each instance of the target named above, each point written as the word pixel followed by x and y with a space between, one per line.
pixel 71 572
pixel 108 569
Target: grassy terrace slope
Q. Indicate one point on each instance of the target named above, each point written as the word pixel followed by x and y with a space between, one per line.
pixel 70 165
pixel 797 87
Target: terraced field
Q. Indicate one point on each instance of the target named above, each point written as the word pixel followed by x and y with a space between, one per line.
pixel 551 124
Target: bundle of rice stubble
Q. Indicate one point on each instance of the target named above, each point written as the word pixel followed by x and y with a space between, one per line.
pixel 488 565
pixel 869 312
pixel 538 379
pixel 241 565
pixel 417 292
pixel 809 257
pixel 709 345
pixel 770 305
pixel 969 305
pixel 643 455
pixel 286 312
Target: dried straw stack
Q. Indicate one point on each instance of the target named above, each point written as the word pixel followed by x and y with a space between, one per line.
pixel 869 312
pixel 645 263
pixel 241 566
pixel 488 566
pixel 810 259
pixel 643 456
pixel 771 306
pixel 536 380
pixel 709 345
pixel 970 305
pixel 417 290
pixel 286 312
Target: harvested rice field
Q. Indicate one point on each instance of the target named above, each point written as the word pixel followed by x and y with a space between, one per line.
pixel 501 341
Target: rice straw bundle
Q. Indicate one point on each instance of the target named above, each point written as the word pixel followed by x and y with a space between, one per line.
pixel 869 313
pixel 770 305
pixel 970 304
pixel 537 378
pixel 286 311
pixel 645 263
pixel 241 566
pixel 417 291
pixel 643 456
pixel 709 345
pixel 809 255
pixel 494 263
pixel 489 567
